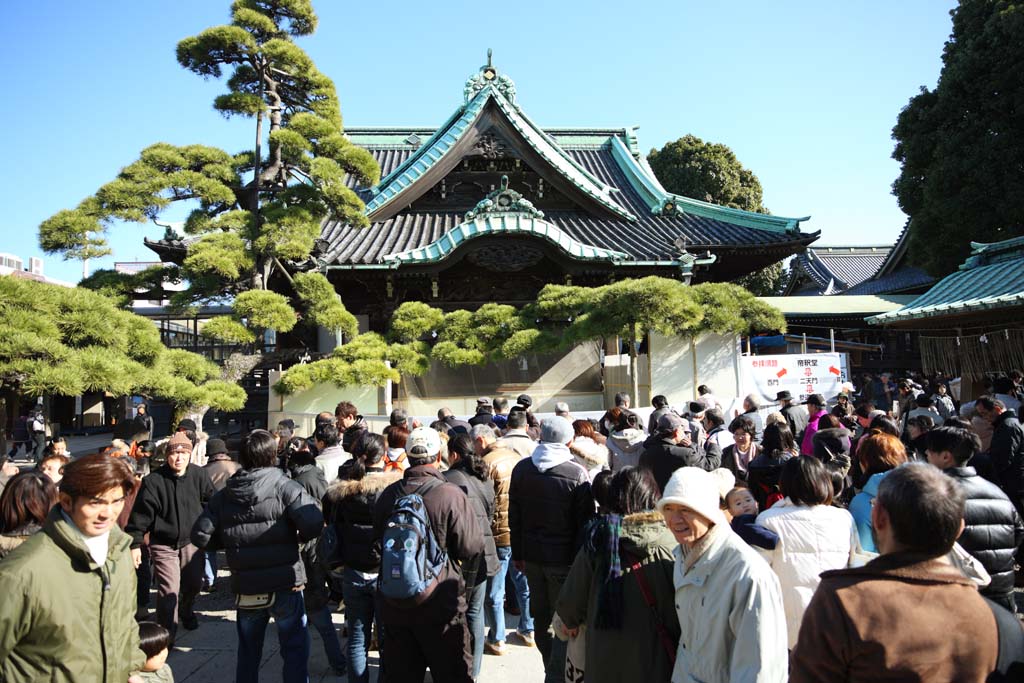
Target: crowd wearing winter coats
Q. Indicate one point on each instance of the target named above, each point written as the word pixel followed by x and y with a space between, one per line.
pixel 819 543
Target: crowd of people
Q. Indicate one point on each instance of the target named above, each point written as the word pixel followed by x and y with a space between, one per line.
pixel 874 536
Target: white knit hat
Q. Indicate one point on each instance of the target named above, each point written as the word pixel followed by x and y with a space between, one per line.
pixel 698 490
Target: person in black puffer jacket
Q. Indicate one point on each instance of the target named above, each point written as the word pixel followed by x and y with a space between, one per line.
pixel 260 518
pixel 550 503
pixel 304 471
pixel 993 530
pixel 349 506
pixel 471 473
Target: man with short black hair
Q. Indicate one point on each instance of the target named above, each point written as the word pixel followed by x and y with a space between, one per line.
pixel 660 405
pixel 260 518
pixel 433 634
pixel 908 615
pixel 500 404
pixel 1007 447
pixel 331 454
pixel 993 530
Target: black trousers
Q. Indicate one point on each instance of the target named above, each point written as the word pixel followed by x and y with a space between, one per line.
pixel 408 651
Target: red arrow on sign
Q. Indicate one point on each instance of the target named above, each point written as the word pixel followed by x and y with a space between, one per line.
pixel 781 372
pixel 834 370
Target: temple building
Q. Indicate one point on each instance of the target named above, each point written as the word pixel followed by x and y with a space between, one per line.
pixel 491 207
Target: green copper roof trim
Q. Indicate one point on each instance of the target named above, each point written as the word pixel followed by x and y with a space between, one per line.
pixel 439 144
pixel 496 223
pixel 659 200
pixel 442 141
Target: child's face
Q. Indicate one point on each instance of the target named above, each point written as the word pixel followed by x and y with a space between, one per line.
pixel 156 661
pixel 742 503
pixel 51 468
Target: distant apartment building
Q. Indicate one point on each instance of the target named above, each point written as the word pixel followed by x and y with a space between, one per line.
pixel 15 266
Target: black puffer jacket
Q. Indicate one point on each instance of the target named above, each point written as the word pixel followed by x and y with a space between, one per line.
pixel 1007 451
pixel 992 530
pixel 259 518
pixel 481 495
pixel 167 506
pixel 349 505
pixel 548 510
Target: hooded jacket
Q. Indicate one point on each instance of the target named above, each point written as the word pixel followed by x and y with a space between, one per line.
pixel 519 441
pixel 259 518
pixel 349 505
pixel 63 617
pixel 550 503
pixel 812 539
pixel 592 456
pixel 663 456
pixel 635 651
pixel 625 448
pixel 167 506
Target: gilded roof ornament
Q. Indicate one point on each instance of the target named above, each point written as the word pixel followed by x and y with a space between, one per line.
pixel 488 75
pixel 506 201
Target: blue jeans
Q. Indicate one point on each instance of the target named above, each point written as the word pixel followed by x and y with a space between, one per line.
pixel 495 612
pixel 211 567
pixel 475 598
pixel 321 620
pixel 360 609
pixel 522 598
pixel 289 613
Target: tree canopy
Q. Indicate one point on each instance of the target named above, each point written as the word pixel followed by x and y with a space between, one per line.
pixel 69 341
pixel 254 216
pixel 710 172
pixel 961 144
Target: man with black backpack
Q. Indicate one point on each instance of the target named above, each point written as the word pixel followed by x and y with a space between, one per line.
pixel 426 527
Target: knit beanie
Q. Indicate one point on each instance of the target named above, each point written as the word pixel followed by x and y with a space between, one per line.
pixel 179 443
pixel 697 490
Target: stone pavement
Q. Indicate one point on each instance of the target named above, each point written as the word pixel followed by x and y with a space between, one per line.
pixel 207 654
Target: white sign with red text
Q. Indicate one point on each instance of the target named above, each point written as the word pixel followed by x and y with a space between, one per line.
pixel 800 374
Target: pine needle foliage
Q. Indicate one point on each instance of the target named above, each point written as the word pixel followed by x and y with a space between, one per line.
pixel 68 341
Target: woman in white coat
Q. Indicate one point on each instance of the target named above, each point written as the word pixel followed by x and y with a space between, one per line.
pixel 813 536
pixel 727 599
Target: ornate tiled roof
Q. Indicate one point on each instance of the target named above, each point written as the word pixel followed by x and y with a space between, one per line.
pixel 835 270
pixel 991 278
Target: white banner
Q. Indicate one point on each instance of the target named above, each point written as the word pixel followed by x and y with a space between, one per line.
pixel 800 374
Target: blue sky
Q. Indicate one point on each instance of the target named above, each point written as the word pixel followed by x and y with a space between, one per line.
pixel 805 92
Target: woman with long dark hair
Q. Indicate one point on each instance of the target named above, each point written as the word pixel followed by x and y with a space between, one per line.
pixel 470 473
pixel 814 536
pixel 777 446
pixel 620 587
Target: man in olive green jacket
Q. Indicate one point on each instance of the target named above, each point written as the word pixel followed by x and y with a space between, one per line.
pixel 68 608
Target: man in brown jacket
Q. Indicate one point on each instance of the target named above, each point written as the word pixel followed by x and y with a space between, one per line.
pixel 908 615
pixel 500 462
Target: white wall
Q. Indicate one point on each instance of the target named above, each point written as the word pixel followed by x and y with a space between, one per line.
pixel 672 367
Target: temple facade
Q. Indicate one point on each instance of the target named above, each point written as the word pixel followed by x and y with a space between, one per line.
pixel 491 207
